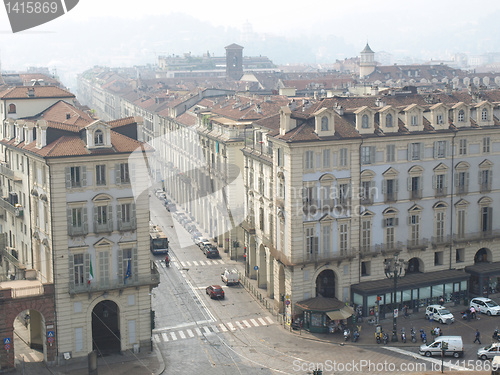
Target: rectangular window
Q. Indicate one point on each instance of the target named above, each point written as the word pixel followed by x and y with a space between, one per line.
pixel 366 193
pixel 343 237
pixel 103 267
pixel 390 188
pixel 439 119
pixel 124 175
pixel 462 182
pixel 102 215
pixel 75 177
pixel 366 234
pixel 366 268
pixel 280 157
pixel 440 184
pixel 414 120
pixel 440 227
pixel 343 157
pixel 440 149
pixel 389 234
pixel 100 175
pixel 415 187
pixel 78 267
pixel 326 239
pixel 414 229
pixel 367 154
pixel 344 194
pixel 311 242
pixel 390 153
pixel 485 180
pixel 461 217
pixel 459 255
pixel 486 144
pixel 486 219
pixel 309 160
pixel 462 149
pixel 326 158
pixel 438 258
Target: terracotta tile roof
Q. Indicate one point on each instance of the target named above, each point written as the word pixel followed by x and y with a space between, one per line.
pixel 59 113
pixel 187 118
pixel 21 92
pixel 122 122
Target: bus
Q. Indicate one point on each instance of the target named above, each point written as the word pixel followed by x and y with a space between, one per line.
pixel 158 241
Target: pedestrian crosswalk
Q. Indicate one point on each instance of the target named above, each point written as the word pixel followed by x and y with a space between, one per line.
pixel 206 330
pixel 196 263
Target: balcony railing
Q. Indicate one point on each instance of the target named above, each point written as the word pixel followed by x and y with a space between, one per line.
pixel 440 192
pixel 8 172
pixel 440 240
pixel 340 254
pixel 415 194
pixel 477 236
pixel 461 189
pixel 98 286
pixel 391 197
pixel 417 244
pixel 15 210
pixel 485 187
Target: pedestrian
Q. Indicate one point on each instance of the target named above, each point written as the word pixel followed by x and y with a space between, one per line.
pixel 405 311
pixel 478 335
pixel 441 301
pixel 473 312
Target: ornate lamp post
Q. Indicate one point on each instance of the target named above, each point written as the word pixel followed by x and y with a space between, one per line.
pixel 393 269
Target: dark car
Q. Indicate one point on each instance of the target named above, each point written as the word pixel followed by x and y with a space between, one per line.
pixel 215 291
pixel 211 251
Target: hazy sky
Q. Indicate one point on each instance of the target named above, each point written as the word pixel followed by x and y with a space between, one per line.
pixel 423 28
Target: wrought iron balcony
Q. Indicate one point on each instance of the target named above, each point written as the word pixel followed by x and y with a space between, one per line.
pixel 153 279
pixel 16 210
pixel 338 255
pixel 417 244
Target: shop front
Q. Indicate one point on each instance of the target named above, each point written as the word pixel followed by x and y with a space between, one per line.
pixel 484 278
pixel 414 290
pixel 322 315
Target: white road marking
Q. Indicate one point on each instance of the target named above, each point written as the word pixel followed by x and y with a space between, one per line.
pixel 190 333
pixel 220 261
pixel 183 264
pixel 246 323
pixel 215 329
pixel 198 332
pixel 195 262
pixel 156 338
pixel 432 360
pixel 223 327
pixel 174 337
pixel 262 321
pixel 269 320
pixel 207 330
pixel 165 337
pixel 231 327
pixel 199 322
pixel 240 326
pixel 202 263
pixel 182 335
pixel 254 322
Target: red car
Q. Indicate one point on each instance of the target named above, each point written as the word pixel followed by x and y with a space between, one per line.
pixel 215 291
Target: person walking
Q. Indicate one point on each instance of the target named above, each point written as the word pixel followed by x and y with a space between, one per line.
pixel 478 336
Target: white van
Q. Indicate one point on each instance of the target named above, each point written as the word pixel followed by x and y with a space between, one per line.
pixel 495 366
pixel 455 346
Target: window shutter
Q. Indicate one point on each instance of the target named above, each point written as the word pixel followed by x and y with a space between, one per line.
pixel 70 221
pixel 408 152
pixel 421 151
pixel 119 218
pixel 409 220
pixel 448 149
pixel 85 220
pixel 135 268
pixel 396 185
pixel 434 182
pixel 421 183
pixel 87 267
pixel 372 154
pixel 84 176
pixel 436 147
pixel 445 181
pixel 133 221
pixel 456 182
pixel 117 174
pixel 396 221
pixel 110 217
pixel 490 218
pixel 479 177
pixel 71 264
pixel 95 219
pixel 384 223
pixel 384 186
pixel 467 180
pixel 121 276
pixel 409 183
pixel 68 177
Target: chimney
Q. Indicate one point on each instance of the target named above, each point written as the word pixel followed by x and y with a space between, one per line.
pixel 31 92
pixel 286 121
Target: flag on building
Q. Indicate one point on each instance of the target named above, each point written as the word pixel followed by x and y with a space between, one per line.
pixel 128 275
pixel 91 272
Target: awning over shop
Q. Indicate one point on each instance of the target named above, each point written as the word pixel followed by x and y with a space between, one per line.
pixel 321 304
pixel 484 269
pixel 344 313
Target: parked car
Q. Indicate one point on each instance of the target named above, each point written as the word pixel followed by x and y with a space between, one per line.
pixel 215 291
pixel 230 277
pixel 455 346
pixel 439 314
pixel 211 251
pixel 485 305
pixel 488 352
pixel 204 242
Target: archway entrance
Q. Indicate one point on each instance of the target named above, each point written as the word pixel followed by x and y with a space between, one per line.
pixel 29 344
pixel 414 266
pixel 325 284
pixel 262 272
pixel 482 256
pixel 106 328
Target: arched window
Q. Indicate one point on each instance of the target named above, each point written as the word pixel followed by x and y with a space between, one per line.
pixel 324 123
pixel 388 120
pixel 12 108
pixel 461 116
pixel 364 122
pixel 98 137
pixel 484 114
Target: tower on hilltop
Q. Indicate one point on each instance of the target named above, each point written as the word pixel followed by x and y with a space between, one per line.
pixel 367 61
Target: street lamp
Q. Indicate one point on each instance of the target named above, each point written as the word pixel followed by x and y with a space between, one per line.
pixel 393 269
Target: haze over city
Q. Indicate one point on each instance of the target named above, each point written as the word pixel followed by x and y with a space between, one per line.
pixel 124 33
